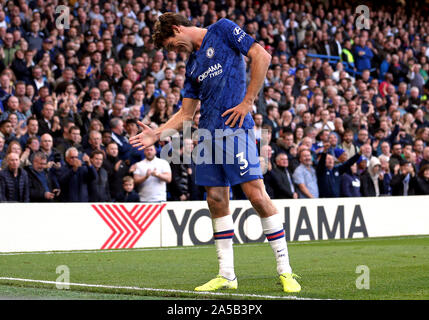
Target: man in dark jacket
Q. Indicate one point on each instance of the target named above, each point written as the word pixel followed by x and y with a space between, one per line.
pixel 422 181
pixel 329 174
pixel 44 185
pixel 403 179
pixel 116 169
pixel 281 179
pixel 117 127
pixel 350 183
pixel 14 186
pixel 99 187
pixel 75 176
pixel 180 172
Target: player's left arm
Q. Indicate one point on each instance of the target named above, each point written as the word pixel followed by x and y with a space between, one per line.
pixel 260 61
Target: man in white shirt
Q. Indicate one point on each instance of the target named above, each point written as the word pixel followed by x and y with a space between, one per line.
pixel 324 123
pixel 151 177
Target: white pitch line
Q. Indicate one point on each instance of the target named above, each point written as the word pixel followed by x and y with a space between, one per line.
pixel 238 295
pixel 243 245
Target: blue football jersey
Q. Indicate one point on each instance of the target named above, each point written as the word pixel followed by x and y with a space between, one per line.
pixel 216 74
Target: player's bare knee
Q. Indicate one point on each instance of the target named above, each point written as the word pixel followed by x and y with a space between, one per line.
pixel 216 202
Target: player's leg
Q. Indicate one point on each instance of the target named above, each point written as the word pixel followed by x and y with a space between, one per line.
pixel 273 229
pixel 223 232
pixel 271 221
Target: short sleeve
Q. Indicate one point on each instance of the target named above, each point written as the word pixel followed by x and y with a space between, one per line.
pixel 235 36
pixel 191 90
pixel 298 177
pixel 139 170
pixel 165 166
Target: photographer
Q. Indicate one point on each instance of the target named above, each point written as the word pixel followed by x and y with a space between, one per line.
pixel 43 183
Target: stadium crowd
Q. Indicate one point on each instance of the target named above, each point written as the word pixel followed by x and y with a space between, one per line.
pixel 70 98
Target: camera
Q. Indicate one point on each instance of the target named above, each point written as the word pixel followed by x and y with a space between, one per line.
pixel 57 157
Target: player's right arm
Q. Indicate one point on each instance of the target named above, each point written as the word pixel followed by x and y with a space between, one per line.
pixel 150 136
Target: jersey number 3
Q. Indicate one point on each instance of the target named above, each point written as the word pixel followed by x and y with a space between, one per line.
pixel 241 159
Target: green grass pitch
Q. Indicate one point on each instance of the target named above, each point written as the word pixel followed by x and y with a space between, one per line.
pixel 398 269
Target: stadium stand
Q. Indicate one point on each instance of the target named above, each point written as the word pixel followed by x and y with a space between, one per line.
pixel 94 67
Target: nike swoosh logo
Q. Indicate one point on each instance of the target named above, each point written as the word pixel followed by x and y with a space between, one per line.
pixel 280 250
pixel 243 173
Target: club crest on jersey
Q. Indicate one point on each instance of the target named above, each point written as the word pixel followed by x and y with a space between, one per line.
pixel 210 53
pixel 237 31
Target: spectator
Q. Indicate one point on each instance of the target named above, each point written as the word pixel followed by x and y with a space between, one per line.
pixel 425 159
pixel 350 182
pixel 305 176
pixel 116 169
pixel 324 122
pixel 43 182
pixel 2 150
pixel 74 139
pixel 258 119
pixel 396 156
pixel 422 181
pixel 266 169
pixel 9 49
pixel 6 131
pixel 271 120
pixel 98 188
pixel 403 179
pixel 31 147
pixel 179 187
pixel 14 184
pixel 117 127
pixel 281 179
pixel 363 55
pixel 285 142
pixel 151 177
pixel 387 178
pixel 397 69
pixel 348 144
pixel 35 37
pixel 371 181
pixel 49 123
pixel 94 143
pixel 75 176
pixel 128 194
pixel 32 130
pixel 52 154
pixel 13 108
pixel 329 174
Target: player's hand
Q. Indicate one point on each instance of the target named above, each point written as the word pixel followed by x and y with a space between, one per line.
pixel 144 139
pixel 237 113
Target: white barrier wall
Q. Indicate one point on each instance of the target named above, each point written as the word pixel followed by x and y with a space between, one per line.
pixel 75 226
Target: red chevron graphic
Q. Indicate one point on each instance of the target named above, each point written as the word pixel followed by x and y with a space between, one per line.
pixel 127 226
